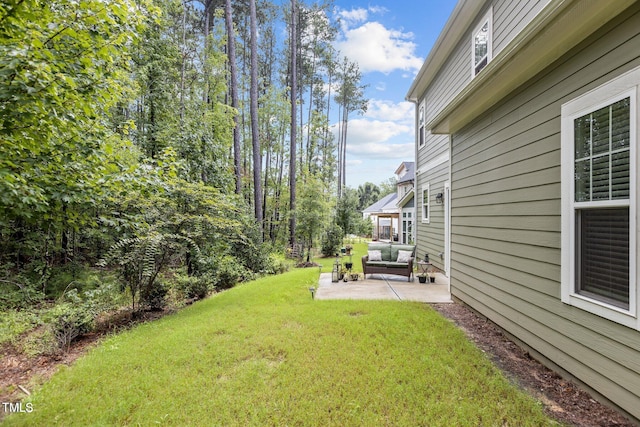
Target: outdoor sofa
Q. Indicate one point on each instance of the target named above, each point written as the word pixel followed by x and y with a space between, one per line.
pixel 389 258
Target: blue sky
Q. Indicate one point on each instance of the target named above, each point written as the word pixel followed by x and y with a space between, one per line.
pixel 389 39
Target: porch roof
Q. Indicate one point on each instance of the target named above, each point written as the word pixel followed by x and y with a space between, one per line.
pixel 386 205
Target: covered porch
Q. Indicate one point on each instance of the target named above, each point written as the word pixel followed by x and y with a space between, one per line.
pixel 385 227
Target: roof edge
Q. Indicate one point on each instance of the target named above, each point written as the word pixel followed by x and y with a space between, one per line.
pixel 560 26
pixel 454 29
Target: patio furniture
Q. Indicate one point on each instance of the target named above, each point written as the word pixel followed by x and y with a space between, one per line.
pixel 389 258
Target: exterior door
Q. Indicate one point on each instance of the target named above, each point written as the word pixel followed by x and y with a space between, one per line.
pixel 407 227
pixel 447 229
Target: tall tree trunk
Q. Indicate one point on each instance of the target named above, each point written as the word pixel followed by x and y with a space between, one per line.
pixel 255 137
pixel 231 51
pixel 184 60
pixel 267 171
pixel 340 134
pixel 294 97
pixel 343 172
pixel 207 28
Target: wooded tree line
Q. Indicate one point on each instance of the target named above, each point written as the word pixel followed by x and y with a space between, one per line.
pixel 133 119
pixel 283 89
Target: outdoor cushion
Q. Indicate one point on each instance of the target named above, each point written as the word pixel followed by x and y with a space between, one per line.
pixel 388 264
pixel 385 250
pixel 375 256
pixel 396 248
pixel 403 256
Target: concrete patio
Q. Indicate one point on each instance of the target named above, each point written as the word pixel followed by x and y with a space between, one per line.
pixel 384 287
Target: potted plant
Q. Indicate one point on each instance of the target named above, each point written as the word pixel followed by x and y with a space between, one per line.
pixel 422 277
pixel 432 275
pixel 349 264
pixel 343 273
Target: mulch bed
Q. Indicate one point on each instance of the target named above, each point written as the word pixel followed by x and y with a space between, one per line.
pixel 563 400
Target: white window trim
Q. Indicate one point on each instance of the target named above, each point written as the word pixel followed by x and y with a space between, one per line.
pixel 486 19
pixel 627 85
pixel 422 127
pixel 425 218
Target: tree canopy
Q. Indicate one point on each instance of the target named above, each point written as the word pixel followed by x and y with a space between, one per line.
pixel 121 127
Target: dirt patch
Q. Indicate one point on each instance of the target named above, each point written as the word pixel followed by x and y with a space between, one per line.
pixel 562 399
pixel 20 374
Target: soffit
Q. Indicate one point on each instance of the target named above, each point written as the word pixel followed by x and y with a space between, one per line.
pixel 560 26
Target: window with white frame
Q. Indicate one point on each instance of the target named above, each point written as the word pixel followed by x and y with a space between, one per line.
pixel 481 44
pixel 599 138
pixel 421 123
pixel 425 203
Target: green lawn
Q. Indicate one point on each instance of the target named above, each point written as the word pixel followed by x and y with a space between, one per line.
pixel 265 353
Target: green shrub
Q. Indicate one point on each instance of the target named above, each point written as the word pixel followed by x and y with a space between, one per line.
pixel 247 250
pixel 63 277
pixel 197 287
pixel 40 341
pixel 229 272
pixel 18 292
pixel 364 227
pixel 68 320
pixel 104 294
pixel 13 323
pixel 279 264
pixel 332 240
pixel 154 296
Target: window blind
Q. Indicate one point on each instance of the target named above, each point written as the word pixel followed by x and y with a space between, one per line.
pixel 603 264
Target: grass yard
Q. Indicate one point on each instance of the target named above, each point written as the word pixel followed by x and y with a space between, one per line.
pixel 265 353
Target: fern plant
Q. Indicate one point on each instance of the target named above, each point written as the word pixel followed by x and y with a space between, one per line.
pixel 140 260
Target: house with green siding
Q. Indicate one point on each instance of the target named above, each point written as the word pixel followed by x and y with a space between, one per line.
pixel 526 179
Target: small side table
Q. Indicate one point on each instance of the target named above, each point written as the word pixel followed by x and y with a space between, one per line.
pixel 423 268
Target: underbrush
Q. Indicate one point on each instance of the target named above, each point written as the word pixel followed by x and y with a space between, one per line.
pixel 82 300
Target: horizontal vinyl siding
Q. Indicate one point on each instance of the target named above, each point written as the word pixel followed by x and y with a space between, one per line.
pixel 430 236
pixel 434 147
pixel 510 17
pixel 450 80
pixel 506 219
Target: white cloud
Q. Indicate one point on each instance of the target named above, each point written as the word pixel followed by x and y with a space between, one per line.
pixel 372 150
pixel 402 112
pixel 377 48
pixel 364 131
pixel 377 139
pixel 353 16
pixel 381 86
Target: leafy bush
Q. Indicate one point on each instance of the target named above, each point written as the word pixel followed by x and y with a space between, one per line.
pixel 332 240
pixel 67 321
pixel 229 272
pixel 18 292
pixel 279 264
pixel 141 259
pixel 13 323
pixel 364 227
pixel 104 294
pixel 153 296
pixel 248 251
pixel 197 287
pixel 38 342
pixel 63 277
